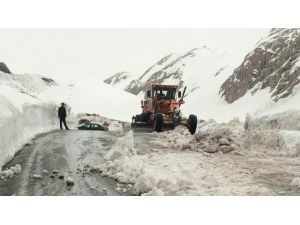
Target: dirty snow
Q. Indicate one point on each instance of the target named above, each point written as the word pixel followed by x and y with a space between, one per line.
pixel 182 164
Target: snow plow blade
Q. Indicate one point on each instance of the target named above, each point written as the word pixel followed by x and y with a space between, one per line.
pixel 141 127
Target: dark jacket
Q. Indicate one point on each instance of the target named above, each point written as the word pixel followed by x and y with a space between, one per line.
pixel 62 112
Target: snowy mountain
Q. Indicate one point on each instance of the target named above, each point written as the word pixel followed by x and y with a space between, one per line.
pixel 120 80
pixel 222 85
pixel 188 68
pixel 274 64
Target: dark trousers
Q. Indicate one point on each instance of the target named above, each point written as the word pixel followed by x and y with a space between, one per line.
pixel 61 121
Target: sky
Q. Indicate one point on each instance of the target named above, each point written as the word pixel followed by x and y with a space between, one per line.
pixel 68 55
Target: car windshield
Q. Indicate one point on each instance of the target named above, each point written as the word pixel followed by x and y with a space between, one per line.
pixel 165 93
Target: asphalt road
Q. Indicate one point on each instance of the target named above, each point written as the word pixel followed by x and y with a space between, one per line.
pixel 68 152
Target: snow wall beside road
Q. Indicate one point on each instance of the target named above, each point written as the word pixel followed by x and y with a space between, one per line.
pixel 19 126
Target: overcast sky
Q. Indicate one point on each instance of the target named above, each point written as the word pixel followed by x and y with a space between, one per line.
pixel 70 54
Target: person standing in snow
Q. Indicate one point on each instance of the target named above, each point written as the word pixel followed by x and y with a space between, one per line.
pixel 62 116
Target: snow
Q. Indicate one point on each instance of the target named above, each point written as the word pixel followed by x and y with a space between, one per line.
pixel 93 96
pixel 178 163
pixel 112 125
pixel 16 169
pixel 22 114
pixel 176 173
pixel 9 173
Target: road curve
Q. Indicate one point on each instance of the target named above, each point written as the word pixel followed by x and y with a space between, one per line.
pixel 68 152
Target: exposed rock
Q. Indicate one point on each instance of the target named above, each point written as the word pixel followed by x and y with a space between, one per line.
pixel 169 68
pixel 273 64
pixel 55 171
pixel 69 181
pixel 4 68
pixel 117 78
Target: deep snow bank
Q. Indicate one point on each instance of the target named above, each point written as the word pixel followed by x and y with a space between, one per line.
pixel 18 126
pixel 279 131
pixel 22 113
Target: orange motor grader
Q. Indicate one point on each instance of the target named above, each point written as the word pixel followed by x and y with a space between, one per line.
pixel 161 109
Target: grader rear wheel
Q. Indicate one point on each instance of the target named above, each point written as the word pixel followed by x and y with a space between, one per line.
pixel 192 123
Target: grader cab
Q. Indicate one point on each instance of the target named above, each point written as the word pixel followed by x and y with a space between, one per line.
pixel 161 109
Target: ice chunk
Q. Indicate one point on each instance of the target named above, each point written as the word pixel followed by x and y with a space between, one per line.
pixel 295 182
pixel 17 169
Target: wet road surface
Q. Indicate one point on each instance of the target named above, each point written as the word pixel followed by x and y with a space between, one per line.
pixel 68 152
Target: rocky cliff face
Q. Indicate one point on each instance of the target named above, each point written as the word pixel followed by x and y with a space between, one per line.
pixel 4 68
pixel 273 64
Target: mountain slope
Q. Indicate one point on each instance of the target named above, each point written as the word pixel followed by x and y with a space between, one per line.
pixel 119 80
pixel 274 65
pixel 188 68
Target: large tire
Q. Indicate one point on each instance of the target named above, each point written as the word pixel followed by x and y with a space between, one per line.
pixel 158 122
pixel 192 123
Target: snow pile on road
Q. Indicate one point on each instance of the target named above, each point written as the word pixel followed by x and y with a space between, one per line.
pixel 180 138
pixel 165 172
pixel 211 138
pixel 121 162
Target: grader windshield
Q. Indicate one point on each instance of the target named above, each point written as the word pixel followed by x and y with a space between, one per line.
pixel 164 93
